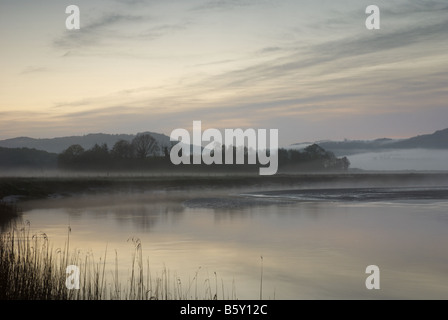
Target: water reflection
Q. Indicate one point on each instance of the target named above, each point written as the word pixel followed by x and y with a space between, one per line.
pixel 317 249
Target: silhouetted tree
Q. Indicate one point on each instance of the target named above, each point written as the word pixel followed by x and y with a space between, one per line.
pixel 74 151
pixel 144 145
pixel 71 157
pixel 345 163
pixel 123 149
pixel 143 153
pixel 97 157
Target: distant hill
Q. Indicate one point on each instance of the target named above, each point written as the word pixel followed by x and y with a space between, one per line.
pixel 57 145
pixel 27 158
pixel 437 140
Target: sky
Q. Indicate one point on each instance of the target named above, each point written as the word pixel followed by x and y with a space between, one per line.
pixel 310 69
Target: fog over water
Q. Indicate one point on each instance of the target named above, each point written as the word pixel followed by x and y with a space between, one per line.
pixel 397 160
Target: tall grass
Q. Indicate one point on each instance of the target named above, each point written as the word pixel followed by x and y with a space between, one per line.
pixel 30 269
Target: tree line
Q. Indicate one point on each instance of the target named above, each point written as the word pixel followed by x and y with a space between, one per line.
pixel 144 153
pixel 139 153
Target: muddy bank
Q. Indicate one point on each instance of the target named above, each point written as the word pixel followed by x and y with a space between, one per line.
pixel 47 187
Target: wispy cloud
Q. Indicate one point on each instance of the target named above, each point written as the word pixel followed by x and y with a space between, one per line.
pixel 270 50
pixel 77 103
pixel 330 53
pixel 416 7
pixel 96 112
pixel 33 69
pixel 225 4
pixel 162 30
pixel 215 62
pixel 97 32
pixel 417 34
pixel 131 2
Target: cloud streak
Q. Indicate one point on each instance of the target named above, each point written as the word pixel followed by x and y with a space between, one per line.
pixel 33 70
pixel 226 4
pixel 96 32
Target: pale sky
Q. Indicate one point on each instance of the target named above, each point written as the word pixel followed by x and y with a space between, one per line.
pixel 308 68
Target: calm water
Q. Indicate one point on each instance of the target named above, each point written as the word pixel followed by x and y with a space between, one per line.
pixel 314 246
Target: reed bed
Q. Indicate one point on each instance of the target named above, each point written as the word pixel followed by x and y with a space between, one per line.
pixel 31 269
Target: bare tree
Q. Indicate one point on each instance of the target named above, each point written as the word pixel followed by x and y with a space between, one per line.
pixel 144 145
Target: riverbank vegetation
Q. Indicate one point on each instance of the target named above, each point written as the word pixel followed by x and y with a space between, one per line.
pixel 31 269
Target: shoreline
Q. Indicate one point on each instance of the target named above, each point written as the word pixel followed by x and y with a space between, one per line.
pixel 29 188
